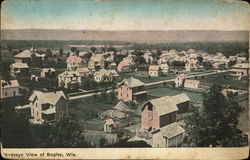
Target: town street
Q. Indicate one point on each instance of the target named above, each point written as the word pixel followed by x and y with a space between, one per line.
pixel 148 84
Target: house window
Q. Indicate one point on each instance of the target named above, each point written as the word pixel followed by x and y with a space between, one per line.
pixel 14 93
pixel 6 94
pixel 150 115
pixel 37 113
pixel 36 104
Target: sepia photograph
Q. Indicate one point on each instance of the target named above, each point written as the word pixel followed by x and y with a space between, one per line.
pixel 124 79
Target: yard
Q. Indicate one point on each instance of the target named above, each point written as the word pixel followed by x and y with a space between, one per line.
pixel 87 110
pixel 225 79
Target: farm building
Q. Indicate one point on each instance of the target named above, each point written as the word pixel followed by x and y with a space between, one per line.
pixel 168 136
pixel 162 111
pixel 131 89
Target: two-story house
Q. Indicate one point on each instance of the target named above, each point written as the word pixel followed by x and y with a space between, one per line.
pixel 132 89
pixel 47 106
pixel 74 62
pixel 105 75
pixel 69 78
pixel 191 65
pixel 9 89
pixel 96 62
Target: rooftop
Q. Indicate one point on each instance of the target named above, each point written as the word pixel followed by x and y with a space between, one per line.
pixel 171 130
pixel 47 97
pixel 19 65
pixel 9 84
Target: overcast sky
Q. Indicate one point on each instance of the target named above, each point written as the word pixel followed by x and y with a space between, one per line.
pixel 125 15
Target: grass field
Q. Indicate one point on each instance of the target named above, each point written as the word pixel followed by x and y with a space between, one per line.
pixel 219 79
pixel 87 110
pixel 159 92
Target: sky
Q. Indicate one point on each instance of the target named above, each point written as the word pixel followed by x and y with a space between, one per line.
pixel 125 14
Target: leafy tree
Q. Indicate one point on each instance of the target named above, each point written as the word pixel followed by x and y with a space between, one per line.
pixel 77 52
pixel 200 59
pixel 66 133
pixel 216 124
pixel 48 52
pixel 61 52
pixel 140 60
pixel 73 49
pixel 93 49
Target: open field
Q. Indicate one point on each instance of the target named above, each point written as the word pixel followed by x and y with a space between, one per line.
pixel 219 79
pixel 88 108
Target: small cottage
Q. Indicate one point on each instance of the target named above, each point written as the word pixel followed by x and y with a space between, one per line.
pixel 154 71
pixel 168 136
pixel 108 126
pixel 83 72
pixel 241 69
pixel 19 69
pixel 96 62
pixel 48 73
pixel 190 83
pixel 123 66
pixel 69 79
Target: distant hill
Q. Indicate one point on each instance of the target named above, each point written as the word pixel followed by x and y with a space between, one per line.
pixel 131 36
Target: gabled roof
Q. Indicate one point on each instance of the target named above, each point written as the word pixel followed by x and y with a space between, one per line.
pixel 154 67
pixel 68 74
pixel 47 97
pixel 9 84
pixel 82 70
pixel 132 82
pixel 164 105
pixel 192 61
pixel 105 72
pixel 167 104
pixel 171 130
pixel 19 65
pixel 109 121
pixel 75 59
pixel 24 54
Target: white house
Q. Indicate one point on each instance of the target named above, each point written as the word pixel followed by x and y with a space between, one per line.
pixel 241 69
pixel 9 89
pixel 47 106
pixel 48 73
pixel 105 75
pixel 68 78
